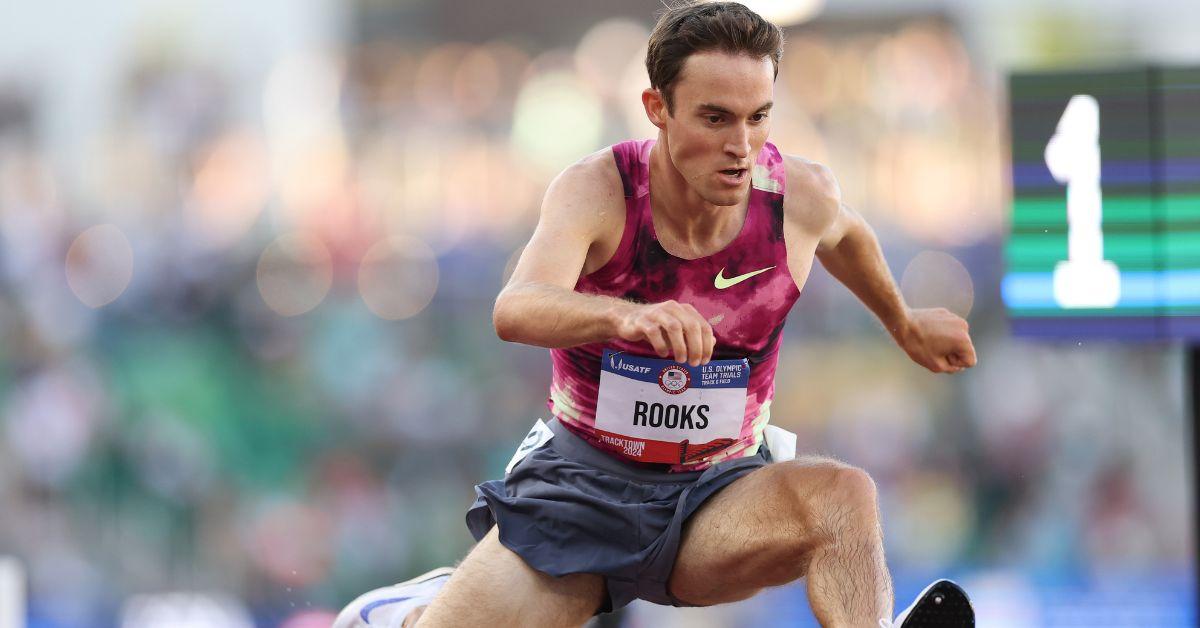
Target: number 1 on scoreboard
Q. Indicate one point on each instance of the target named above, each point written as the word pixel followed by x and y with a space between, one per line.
pixel 1085 278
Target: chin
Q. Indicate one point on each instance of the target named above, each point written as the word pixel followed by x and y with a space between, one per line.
pixel 728 198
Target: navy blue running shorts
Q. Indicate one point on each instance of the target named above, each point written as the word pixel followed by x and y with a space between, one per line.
pixel 569 508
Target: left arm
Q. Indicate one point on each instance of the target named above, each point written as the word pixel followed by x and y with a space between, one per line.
pixel 849 250
pixel 935 338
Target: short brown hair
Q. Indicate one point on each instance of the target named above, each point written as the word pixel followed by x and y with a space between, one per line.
pixel 691 27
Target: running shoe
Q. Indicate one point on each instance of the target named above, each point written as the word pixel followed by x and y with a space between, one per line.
pixel 942 604
pixel 387 607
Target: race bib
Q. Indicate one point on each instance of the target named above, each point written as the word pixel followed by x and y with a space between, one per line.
pixel 663 411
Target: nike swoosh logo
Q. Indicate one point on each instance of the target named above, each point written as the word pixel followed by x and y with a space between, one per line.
pixel 722 283
pixel 366 610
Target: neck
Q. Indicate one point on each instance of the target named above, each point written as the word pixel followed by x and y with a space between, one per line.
pixel 690 219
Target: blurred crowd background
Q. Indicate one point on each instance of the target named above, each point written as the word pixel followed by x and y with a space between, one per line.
pixel 248 254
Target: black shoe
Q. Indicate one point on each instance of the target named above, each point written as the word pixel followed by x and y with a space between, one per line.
pixel 942 604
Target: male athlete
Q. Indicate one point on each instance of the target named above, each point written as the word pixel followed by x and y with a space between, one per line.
pixel 659 275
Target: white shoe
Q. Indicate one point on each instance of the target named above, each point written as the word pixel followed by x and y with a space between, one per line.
pixel 387 607
pixel 942 604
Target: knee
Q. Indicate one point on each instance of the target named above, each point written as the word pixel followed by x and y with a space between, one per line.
pixel 840 500
pixel 857 490
pixel 825 503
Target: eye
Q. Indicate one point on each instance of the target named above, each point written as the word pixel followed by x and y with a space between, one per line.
pixel 759 117
pixel 713 118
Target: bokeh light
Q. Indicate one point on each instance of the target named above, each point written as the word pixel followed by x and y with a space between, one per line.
pixel 51 419
pixel 635 80
pixel 605 52
pixel 99 265
pixel 491 191
pixel 923 68
pixel 308 153
pixel 383 72
pixel 398 278
pixel 476 82
pixel 184 610
pixel 31 216
pixel 290 541
pixel 933 182
pixel 809 73
pixel 424 157
pixel 294 274
pixel 557 120
pixel 301 94
pixel 512 67
pixel 937 279
pixel 786 12
pixel 230 189
pixel 309 619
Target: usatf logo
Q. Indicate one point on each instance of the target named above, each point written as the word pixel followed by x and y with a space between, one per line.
pixel 674 379
pixel 622 365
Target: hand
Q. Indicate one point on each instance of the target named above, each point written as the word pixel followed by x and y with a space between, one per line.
pixel 937 339
pixel 672 328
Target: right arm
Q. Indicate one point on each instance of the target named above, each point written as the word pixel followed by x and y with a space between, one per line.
pixel 540 307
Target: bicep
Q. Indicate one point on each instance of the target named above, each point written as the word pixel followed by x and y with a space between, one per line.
pixel 843 222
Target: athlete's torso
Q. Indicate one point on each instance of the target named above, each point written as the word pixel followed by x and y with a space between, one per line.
pixel 745 290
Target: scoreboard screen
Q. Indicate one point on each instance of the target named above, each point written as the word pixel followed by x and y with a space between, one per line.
pixel 1105 233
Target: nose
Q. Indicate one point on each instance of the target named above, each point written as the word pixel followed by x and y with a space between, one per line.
pixel 737 143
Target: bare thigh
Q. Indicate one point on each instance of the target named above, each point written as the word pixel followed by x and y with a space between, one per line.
pixel 762 530
pixel 494 588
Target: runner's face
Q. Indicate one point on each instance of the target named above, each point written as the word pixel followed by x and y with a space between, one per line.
pixel 720 122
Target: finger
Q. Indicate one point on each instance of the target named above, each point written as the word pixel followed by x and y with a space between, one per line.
pixel 964 358
pixel 941 365
pixel 694 325
pixel 969 359
pixel 675 339
pixel 695 343
pixel 710 342
pixel 655 337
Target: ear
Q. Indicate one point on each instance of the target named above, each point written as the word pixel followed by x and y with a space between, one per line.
pixel 656 107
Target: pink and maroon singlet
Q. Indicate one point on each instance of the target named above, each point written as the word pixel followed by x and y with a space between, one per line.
pixel 746 305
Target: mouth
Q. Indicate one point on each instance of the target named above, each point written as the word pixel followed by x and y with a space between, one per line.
pixel 733 176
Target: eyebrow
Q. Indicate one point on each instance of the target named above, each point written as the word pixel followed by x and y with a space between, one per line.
pixel 720 109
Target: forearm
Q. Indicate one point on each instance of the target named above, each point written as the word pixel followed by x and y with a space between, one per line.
pixel 550 316
pixel 857 261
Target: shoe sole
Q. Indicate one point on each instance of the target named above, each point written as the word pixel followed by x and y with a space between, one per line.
pixel 943 605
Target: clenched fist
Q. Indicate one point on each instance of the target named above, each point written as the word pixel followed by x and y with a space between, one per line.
pixel 672 328
pixel 938 340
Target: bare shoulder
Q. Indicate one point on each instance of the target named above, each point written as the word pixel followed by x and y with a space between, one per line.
pixel 584 209
pixel 813 195
pixel 587 190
